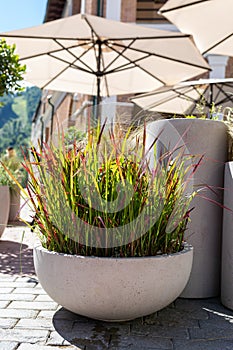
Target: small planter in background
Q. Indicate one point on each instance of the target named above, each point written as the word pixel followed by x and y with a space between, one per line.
pixel 11 166
pixel 14 204
pixel 4 208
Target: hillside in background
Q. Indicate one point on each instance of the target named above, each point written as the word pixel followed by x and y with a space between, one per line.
pixel 16 118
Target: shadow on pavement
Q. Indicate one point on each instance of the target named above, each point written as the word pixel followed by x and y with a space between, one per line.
pixel 16 258
pixel 87 333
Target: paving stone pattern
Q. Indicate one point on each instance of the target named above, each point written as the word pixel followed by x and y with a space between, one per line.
pixel 30 319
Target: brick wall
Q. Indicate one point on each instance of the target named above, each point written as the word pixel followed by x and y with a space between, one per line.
pixel 61 117
pixel 229 68
pixel 91 7
pixel 128 10
pixel 76 6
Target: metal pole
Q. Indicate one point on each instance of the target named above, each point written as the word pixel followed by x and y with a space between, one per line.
pixel 211 95
pixel 99 69
pixel 42 132
pixel 52 114
pixel 97 98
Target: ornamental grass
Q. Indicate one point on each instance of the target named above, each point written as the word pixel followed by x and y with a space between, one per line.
pixel 103 197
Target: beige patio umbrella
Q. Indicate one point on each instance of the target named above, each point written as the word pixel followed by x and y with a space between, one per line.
pixel 208 21
pixel 96 56
pixel 184 98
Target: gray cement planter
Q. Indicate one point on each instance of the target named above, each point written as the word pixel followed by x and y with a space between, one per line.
pixel 4 207
pixel 227 239
pixel 208 138
pixel 113 289
pixel 14 204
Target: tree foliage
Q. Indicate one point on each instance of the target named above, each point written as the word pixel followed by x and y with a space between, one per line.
pixel 6 111
pixel 15 129
pixel 11 71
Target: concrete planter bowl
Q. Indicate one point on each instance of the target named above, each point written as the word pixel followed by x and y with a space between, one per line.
pixel 113 289
pixel 5 207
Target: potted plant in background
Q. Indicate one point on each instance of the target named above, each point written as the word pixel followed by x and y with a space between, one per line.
pixel 111 228
pixel 5 182
pixel 10 193
pixel 11 77
pixel 13 163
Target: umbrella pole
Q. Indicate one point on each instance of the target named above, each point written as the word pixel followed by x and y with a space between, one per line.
pixel 211 95
pixel 99 43
pixel 211 101
pixel 96 103
pixel 97 98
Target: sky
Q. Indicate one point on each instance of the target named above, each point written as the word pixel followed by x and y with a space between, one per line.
pixel 18 14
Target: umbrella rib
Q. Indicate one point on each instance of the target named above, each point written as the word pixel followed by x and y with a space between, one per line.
pixel 78 58
pixel 92 31
pixel 217 43
pixel 144 38
pixel 220 87
pixel 218 92
pixel 225 99
pixel 228 96
pixel 176 90
pixel 179 92
pixel 73 65
pixel 168 99
pixel 137 38
pixel 57 75
pixel 167 58
pixel 57 50
pixel 201 95
pixel 88 22
pixel 119 53
pixel 148 55
pixel 159 37
pixel 18 36
pixel 91 71
pixel 208 102
pixel 181 6
pixel 184 96
pixel 119 69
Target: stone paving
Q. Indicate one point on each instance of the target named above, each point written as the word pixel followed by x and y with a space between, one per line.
pixel 29 319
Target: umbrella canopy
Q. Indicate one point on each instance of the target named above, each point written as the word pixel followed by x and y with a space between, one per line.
pixel 183 98
pixel 209 21
pixel 96 56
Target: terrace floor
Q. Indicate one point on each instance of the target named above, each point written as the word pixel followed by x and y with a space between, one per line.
pixel 29 319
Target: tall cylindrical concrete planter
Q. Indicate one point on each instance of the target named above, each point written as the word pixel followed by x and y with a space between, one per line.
pixel 227 239
pixel 4 207
pixel 207 138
